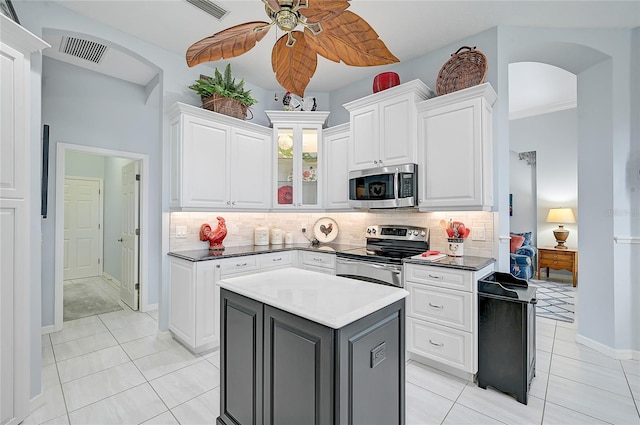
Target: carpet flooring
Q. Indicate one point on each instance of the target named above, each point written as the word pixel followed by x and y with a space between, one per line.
pixel 85 299
pixel 555 300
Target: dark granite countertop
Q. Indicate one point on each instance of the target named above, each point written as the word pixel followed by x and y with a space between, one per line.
pixel 466 262
pixel 239 251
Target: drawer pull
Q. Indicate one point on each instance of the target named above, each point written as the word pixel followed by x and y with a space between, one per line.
pixel 277 259
pixel 437 344
pixel 317 259
pixel 241 264
pixel 436 306
pixel 434 277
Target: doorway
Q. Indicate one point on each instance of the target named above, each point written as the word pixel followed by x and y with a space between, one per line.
pixel 119 201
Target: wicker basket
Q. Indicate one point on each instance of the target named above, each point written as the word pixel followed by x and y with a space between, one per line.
pixel 462 70
pixel 225 105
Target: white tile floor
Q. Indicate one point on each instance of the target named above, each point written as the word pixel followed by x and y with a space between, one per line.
pixel 116 369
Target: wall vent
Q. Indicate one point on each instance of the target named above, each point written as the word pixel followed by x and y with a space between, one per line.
pixel 210 7
pixel 83 49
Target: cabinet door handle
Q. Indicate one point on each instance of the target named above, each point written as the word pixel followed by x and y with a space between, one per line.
pixel 437 344
pixel 436 306
pixel 375 162
pixel 379 161
pixel 228 202
pixel 277 259
pixel 241 264
pixel 434 277
pixel 317 259
pixel 233 203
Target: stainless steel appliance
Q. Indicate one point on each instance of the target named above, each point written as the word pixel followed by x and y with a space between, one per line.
pixel 380 261
pixel 384 187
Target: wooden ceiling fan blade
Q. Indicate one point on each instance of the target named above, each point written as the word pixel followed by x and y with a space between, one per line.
pixel 320 48
pixel 319 10
pixel 294 65
pixel 227 43
pixel 353 40
pixel 273 4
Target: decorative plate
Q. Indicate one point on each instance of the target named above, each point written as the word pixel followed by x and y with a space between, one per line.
pixel 325 230
pixel 285 195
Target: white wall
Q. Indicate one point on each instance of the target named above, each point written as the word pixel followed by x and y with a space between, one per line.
pixel 79 164
pixel 554 137
pixel 522 186
pixel 86 108
pixel 602 60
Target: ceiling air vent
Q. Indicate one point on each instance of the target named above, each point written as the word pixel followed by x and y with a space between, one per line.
pixel 83 49
pixel 209 7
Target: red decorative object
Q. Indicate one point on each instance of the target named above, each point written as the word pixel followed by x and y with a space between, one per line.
pixel 215 237
pixel 285 195
pixel 385 81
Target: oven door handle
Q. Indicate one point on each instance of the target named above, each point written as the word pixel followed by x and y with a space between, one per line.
pixel 392 269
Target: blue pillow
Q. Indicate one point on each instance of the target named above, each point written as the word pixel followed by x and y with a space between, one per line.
pixel 527 237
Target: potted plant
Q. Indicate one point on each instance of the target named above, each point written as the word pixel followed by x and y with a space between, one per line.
pixel 222 94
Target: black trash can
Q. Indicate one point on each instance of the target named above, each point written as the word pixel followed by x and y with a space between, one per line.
pixel 506 334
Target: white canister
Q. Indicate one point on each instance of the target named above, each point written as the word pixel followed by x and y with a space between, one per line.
pixel 276 236
pixel 261 236
pixel 455 247
pixel 288 238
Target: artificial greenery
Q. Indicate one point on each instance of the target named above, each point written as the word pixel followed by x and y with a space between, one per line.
pixel 224 85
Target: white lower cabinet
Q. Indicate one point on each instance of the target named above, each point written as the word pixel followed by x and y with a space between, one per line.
pixel 442 315
pixel 194 296
pixel 319 262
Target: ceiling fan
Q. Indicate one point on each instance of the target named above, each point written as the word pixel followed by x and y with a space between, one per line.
pixel 329 30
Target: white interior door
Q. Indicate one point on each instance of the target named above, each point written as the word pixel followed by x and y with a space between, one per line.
pixel 82 232
pixel 130 239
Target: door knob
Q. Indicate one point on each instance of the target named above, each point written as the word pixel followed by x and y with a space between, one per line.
pixel 120 240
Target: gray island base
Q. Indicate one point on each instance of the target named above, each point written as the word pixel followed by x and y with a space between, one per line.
pixel 282 368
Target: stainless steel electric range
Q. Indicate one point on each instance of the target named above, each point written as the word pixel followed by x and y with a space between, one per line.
pixel 380 261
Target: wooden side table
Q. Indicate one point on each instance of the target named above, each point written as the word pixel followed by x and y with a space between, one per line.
pixel 558 259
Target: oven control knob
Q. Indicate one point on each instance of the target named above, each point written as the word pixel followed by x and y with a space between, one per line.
pixel 373 231
pixel 423 233
pixel 368 230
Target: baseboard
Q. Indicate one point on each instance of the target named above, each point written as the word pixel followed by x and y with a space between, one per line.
pixel 467 376
pixel 608 351
pixel 112 280
pixel 48 329
pixel 148 307
pixel 36 402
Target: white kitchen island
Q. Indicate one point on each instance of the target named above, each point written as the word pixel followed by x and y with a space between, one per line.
pixel 304 347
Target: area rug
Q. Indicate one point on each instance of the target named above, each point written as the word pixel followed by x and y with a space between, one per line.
pixel 84 299
pixel 555 300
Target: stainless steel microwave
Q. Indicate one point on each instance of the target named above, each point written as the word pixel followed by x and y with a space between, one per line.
pixel 392 186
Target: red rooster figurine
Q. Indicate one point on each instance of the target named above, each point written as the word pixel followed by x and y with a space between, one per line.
pixel 215 237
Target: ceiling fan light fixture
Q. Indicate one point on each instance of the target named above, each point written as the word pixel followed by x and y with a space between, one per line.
pixel 287 20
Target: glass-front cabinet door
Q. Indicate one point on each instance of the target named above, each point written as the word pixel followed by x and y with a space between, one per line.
pixel 298 156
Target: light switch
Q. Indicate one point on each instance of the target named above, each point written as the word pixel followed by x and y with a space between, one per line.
pixel 478 234
pixel 181 231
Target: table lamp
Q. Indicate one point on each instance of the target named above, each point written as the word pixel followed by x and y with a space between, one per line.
pixel 563 216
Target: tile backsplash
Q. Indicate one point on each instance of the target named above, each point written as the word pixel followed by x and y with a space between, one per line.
pixel 351 226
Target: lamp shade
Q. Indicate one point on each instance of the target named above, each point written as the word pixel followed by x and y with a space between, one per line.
pixel 561 215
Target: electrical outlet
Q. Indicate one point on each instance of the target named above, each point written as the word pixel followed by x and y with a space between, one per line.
pixel 478 234
pixel 181 231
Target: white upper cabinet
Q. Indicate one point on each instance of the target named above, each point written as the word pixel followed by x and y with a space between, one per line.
pixel 455 150
pixel 383 126
pixel 298 158
pixel 336 149
pixel 217 162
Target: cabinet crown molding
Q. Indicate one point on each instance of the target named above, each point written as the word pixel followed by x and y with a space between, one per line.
pixel 483 90
pixel 195 111
pixel 420 89
pixel 307 117
pixel 19 37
